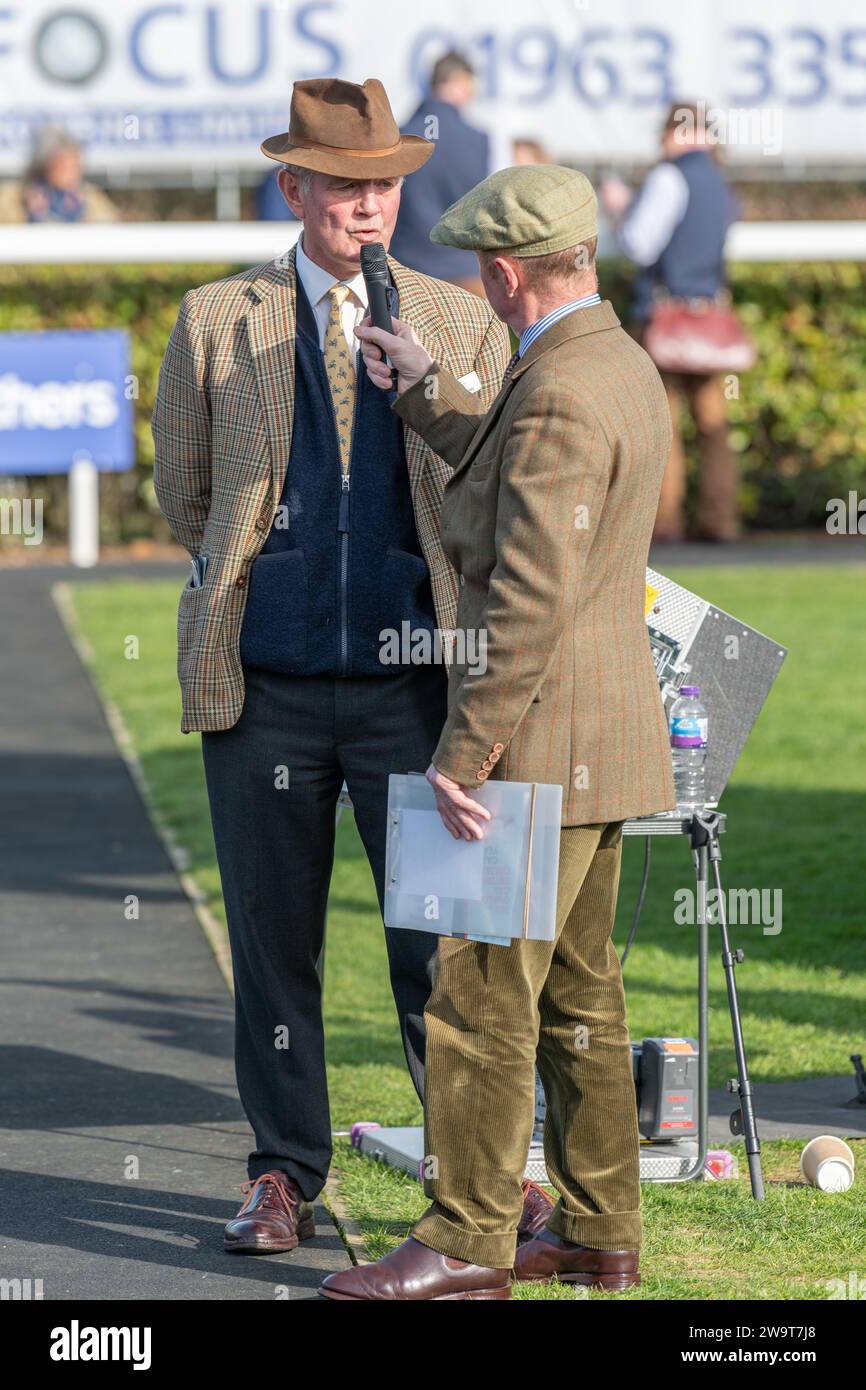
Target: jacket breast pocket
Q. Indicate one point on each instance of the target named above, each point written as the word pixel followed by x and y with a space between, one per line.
pixel 481 468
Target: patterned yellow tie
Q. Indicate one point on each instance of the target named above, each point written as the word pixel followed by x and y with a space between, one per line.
pixel 340 370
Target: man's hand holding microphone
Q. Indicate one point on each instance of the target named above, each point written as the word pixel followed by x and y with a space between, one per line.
pixel 409 358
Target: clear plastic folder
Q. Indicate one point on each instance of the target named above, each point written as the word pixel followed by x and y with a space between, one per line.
pixel 495 889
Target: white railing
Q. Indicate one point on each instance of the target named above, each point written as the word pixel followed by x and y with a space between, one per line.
pixel 249 243
pixel 124 243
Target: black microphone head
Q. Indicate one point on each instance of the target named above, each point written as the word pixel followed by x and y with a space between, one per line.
pixel 374 265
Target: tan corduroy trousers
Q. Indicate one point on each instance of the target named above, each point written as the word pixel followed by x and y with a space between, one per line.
pixel 491 1009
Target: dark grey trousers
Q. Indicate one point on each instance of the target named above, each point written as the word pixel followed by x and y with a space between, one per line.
pixel 273 780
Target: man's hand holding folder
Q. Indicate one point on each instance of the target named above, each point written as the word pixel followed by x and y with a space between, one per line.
pixel 461 815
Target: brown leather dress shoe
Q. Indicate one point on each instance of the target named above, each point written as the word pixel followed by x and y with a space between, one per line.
pixel 275 1216
pixel 549 1257
pixel 415 1271
pixel 537 1206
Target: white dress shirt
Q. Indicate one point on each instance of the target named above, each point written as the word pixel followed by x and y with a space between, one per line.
pixel 317 282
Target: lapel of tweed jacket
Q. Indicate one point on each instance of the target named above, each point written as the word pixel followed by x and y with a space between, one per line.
pixel 271 328
pixel 422 312
pixel 574 325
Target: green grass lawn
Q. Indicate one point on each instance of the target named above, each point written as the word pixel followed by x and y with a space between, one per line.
pixel 797 808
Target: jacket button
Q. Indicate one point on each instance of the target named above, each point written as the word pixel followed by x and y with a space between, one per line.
pixel 481 776
pixel 498 747
pixel 261 523
pixel 488 763
pixel 462 581
pixel 494 757
pixel 240 581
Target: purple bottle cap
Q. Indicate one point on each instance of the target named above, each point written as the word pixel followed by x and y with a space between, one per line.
pixel 690 690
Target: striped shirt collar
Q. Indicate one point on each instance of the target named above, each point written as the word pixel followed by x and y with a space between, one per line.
pixel 534 330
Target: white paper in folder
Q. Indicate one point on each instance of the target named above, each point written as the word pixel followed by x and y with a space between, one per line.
pixel 494 889
pixel 424 838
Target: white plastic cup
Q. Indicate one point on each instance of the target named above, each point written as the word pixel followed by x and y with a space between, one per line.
pixel 827 1162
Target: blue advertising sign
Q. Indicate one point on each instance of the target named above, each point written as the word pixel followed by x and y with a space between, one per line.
pixel 65 395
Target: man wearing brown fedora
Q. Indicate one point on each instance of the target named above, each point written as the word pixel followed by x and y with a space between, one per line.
pixel 311 513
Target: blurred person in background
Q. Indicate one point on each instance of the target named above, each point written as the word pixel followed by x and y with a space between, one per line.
pixel 271 206
pixel 462 159
pixel 529 151
pixel 674 229
pixel 53 188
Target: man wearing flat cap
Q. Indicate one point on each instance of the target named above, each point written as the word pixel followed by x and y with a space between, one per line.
pixel 311 514
pixel 547 518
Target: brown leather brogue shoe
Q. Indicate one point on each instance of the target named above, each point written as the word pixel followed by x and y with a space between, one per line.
pixel 537 1206
pixel 275 1216
pixel 548 1257
pixel 415 1271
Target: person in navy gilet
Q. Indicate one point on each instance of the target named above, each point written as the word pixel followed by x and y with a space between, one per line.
pixel 674 230
pixel 461 160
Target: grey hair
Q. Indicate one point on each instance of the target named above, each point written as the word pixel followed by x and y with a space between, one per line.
pixel 48 141
pixel 305 177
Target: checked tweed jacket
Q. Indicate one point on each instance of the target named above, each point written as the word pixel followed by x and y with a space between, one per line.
pixel 222 429
pixel 547 516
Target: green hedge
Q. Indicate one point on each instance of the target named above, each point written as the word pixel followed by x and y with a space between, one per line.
pixel 799 424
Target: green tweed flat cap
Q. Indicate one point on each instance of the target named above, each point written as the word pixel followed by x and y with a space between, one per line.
pixel 527 210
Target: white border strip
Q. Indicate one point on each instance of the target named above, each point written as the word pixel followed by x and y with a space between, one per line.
pixel 251 243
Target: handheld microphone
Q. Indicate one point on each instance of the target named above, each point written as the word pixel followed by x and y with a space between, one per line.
pixel 374 268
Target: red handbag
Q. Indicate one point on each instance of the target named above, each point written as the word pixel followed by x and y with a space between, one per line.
pixel 702 336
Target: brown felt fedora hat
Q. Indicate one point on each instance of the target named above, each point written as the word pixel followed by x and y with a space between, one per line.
pixel 338 127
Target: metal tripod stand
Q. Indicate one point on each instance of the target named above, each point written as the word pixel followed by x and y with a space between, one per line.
pixel 703 831
pixel 707 851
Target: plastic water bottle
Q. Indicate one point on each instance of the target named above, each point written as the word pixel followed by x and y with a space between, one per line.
pixel 688 730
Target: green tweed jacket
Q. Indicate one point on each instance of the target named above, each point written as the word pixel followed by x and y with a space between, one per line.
pixel 547 517
pixel 222 430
